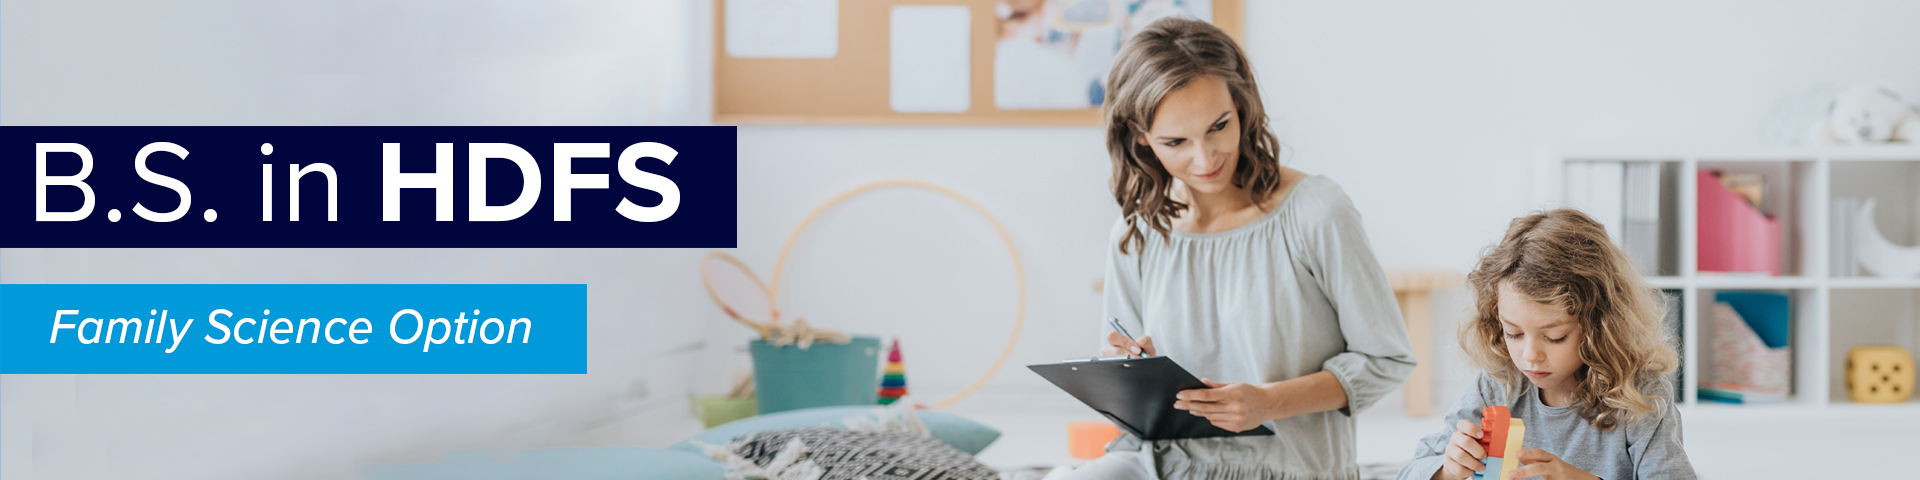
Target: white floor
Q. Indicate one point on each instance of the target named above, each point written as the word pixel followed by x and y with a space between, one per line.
pixel 1723 442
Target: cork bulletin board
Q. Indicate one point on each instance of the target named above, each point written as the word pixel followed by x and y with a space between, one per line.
pixel 852 86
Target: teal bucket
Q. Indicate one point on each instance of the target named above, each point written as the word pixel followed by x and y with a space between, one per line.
pixel 823 375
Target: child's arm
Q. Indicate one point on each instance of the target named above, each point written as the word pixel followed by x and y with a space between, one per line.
pixel 1429 457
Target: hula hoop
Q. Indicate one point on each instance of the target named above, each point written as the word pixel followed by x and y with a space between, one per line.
pixel 1020 316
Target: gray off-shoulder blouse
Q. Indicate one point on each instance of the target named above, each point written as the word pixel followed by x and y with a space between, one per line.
pixel 1293 293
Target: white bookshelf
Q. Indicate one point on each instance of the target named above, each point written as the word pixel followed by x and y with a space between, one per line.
pixel 1830 314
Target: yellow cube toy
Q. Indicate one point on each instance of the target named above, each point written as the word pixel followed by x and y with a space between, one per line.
pixel 1879 374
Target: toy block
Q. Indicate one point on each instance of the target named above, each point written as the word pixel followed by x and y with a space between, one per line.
pixel 1879 375
pixel 1510 456
pixel 1493 436
pixel 1493 465
pixel 1088 440
pixel 1493 429
pixel 1500 436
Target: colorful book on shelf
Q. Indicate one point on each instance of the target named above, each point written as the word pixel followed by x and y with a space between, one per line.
pixel 1640 231
pixel 1734 236
pixel 1629 200
pixel 1740 394
pixel 1579 184
pixel 1841 262
pixel 1676 305
pixel 1597 188
pixel 1609 205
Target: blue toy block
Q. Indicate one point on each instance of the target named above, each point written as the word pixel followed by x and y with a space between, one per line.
pixel 1493 465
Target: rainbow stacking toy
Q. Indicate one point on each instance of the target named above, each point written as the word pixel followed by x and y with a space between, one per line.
pixel 893 380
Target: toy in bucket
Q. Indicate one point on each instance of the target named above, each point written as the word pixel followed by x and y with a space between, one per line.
pixel 795 365
pixel 745 298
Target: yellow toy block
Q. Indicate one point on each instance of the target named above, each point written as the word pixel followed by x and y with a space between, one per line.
pixel 1879 374
pixel 1516 433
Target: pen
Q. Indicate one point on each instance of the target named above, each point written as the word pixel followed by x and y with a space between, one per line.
pixel 1115 322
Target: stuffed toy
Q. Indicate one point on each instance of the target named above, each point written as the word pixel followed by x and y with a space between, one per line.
pixel 1874 112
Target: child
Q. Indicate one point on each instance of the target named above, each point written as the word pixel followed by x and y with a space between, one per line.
pixel 1570 341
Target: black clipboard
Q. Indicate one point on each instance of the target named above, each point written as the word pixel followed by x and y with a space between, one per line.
pixel 1137 394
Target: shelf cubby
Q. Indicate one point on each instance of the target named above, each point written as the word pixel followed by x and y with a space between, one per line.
pixel 1830 314
pixel 1868 316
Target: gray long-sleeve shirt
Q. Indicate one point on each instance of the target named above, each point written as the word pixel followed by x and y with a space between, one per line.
pixel 1290 294
pixel 1649 448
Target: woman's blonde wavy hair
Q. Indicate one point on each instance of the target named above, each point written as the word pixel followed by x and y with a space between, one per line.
pixel 1563 258
pixel 1161 58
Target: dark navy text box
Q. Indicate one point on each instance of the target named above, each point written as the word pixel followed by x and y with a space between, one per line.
pixel 223 171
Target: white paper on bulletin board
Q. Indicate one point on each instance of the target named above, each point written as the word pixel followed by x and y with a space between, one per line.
pixel 783 28
pixel 929 59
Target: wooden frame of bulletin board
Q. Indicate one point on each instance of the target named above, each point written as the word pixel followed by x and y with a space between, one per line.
pixel 852 87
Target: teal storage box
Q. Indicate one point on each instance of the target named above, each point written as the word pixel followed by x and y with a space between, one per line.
pixel 823 375
pixel 1770 314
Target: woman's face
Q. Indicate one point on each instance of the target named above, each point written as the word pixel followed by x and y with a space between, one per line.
pixel 1196 135
pixel 1543 340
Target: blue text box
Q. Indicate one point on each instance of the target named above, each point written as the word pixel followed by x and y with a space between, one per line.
pixel 534 329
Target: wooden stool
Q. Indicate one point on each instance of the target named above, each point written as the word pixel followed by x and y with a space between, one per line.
pixel 1413 288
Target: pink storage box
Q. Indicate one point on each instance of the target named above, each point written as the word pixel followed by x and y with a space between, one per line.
pixel 1734 236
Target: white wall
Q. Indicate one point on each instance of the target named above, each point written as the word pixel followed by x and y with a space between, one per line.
pixel 419 62
pixel 353 63
pixel 1426 113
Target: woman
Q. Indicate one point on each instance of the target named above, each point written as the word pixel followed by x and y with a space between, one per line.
pixel 1253 275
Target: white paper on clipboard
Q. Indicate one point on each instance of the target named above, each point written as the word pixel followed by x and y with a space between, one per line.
pixel 930 59
pixel 783 28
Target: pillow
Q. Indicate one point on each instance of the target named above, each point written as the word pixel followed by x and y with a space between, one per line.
pixel 834 454
pixel 965 435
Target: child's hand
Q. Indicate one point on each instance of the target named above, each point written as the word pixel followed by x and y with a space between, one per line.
pixel 1236 407
pixel 1463 453
pixel 1535 462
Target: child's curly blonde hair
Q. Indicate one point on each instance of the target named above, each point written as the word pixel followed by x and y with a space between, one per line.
pixel 1563 258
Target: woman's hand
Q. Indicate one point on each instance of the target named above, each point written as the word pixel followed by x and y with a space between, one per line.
pixel 1464 454
pixel 1535 462
pixel 1118 344
pixel 1236 407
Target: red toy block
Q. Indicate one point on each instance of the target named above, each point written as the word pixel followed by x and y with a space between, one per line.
pixel 1494 421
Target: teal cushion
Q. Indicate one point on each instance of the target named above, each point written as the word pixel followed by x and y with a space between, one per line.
pixel 954 430
pixel 613 463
